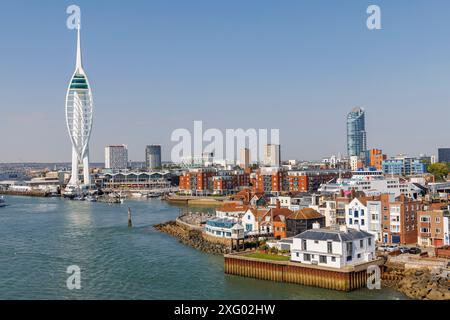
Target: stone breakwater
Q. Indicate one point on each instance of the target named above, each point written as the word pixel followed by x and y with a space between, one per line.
pixel 417 283
pixel 193 238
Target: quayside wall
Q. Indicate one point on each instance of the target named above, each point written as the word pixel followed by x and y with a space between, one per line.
pixel 347 279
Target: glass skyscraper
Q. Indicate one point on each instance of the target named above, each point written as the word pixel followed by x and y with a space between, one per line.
pixel 356 133
pixel 153 157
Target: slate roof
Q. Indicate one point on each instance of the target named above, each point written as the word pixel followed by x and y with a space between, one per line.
pixel 333 235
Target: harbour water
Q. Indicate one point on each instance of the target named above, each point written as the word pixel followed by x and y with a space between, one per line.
pixel 41 237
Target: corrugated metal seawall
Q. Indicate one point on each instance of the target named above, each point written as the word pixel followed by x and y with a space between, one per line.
pixel 342 280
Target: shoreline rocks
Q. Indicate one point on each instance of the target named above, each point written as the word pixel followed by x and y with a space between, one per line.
pixel 192 238
pixel 419 284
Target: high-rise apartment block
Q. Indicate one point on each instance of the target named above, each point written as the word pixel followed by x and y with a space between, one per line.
pixel 272 155
pixel 153 157
pixel 116 157
pixel 356 133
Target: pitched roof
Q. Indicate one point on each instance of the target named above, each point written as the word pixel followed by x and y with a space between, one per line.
pixel 333 235
pixel 305 213
pixel 233 207
pixel 259 212
pixel 280 211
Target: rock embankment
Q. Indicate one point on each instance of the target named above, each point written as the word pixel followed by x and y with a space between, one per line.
pixel 193 238
pixel 418 284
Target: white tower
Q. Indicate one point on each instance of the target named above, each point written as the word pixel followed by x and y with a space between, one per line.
pixel 79 107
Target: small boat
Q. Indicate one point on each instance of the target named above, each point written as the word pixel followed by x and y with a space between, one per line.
pixel 137 195
pixel 91 199
pixel 79 198
pixel 154 195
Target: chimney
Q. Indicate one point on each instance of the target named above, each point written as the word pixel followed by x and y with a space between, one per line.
pixel 343 228
pixel 278 204
pixel 316 225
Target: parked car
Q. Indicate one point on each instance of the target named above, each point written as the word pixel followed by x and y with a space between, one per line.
pixel 382 248
pixel 391 248
pixel 414 251
pixel 404 249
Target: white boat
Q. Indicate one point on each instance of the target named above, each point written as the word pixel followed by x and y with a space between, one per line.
pixel 91 198
pixel 137 195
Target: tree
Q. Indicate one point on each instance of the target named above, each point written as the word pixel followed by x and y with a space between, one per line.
pixel 438 170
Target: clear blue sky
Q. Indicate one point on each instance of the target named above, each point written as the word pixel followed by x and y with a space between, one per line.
pixel 159 65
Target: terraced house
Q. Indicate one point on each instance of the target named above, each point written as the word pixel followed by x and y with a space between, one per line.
pixel 433 228
pixel 399 222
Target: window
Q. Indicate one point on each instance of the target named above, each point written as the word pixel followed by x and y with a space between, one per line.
pixel 438 230
pixel 330 247
pixel 323 259
pixel 306 257
pixel 438 220
pixel 350 221
pixel 361 243
pixel 304 245
pixel 369 241
pixel 316 241
pixel 356 214
pixel 362 222
pixel 349 248
pixel 333 259
pixel 297 254
pixel 359 255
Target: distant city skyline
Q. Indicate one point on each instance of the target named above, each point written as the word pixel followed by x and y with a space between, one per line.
pixel 299 66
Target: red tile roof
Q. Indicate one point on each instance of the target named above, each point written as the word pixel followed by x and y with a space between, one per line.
pixel 305 214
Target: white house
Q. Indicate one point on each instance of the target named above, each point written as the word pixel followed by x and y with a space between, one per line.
pixel 364 214
pixel 252 218
pixel 335 248
pixel 227 228
pixel 285 202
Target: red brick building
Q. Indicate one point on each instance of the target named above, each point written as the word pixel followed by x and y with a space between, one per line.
pixel 210 180
pixel 399 221
pixel 433 228
pixel 310 180
pixel 197 181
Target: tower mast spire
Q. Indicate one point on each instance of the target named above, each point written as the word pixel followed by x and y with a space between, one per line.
pixel 79 66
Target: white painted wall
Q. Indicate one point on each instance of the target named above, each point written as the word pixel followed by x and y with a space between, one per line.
pixel 319 248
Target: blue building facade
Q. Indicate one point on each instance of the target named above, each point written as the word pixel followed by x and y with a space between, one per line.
pixel 405 166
